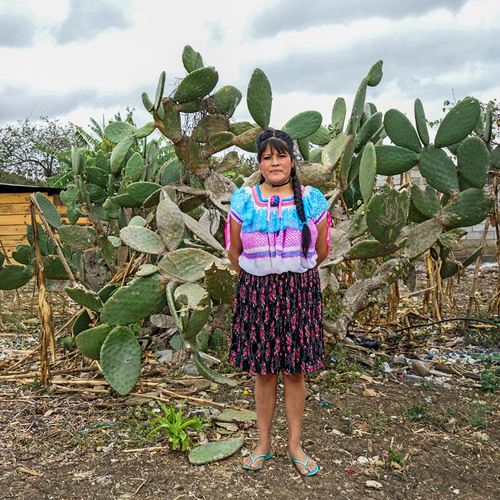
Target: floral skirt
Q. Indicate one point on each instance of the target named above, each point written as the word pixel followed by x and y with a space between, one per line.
pixel 277 323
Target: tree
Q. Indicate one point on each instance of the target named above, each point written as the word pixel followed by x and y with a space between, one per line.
pixel 35 150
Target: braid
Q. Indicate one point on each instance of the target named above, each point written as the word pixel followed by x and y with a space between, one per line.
pixel 299 205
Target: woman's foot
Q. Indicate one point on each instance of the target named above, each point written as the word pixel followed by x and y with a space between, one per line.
pixel 258 456
pixel 304 464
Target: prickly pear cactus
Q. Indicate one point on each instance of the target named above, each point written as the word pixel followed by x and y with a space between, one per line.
pixel 121 359
pixel 215 451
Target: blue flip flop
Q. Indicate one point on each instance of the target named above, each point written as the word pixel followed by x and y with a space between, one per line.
pixel 310 473
pixel 266 457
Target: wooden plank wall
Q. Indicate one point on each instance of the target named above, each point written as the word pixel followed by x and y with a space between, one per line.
pixel 15 215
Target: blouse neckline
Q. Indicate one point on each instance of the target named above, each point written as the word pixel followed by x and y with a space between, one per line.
pixel 263 202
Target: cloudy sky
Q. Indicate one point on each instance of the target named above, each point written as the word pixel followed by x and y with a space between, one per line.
pixel 76 59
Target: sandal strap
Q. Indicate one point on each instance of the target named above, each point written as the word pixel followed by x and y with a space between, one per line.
pixel 256 458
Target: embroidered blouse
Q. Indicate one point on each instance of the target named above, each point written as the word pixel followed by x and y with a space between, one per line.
pixel 271 231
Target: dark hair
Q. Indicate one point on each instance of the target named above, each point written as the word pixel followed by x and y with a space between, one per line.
pixel 280 141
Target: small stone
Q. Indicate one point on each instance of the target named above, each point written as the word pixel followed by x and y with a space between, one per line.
pixel 164 356
pixel 191 370
pixel 374 484
pixel 457 492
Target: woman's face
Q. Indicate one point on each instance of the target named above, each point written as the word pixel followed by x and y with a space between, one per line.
pixel 275 166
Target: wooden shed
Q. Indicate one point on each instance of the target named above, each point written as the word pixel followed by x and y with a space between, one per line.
pixel 15 212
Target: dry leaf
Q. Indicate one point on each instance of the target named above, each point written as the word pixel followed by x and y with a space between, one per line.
pixel 369 392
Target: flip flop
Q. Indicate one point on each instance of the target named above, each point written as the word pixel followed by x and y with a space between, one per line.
pixel 310 473
pixel 266 457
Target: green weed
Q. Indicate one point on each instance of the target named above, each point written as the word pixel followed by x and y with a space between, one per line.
pixel 175 425
pixel 419 412
pixel 490 380
pixel 394 456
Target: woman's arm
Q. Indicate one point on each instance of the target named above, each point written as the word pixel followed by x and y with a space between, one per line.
pixel 236 247
pixel 321 242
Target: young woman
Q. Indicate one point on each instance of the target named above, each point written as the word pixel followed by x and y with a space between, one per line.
pixel 277 235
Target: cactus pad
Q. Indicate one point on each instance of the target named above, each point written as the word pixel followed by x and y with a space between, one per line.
pixel 315 155
pixel 368 172
pixel 458 123
pixel 421 122
pixel 13 276
pixel 228 98
pixel 121 360
pixel 259 98
pixel 357 108
pixel 142 190
pixel 332 152
pixel 112 208
pixel 338 115
pixel 191 59
pixel 135 301
pixel 54 268
pixel 77 237
pixel 375 74
pixel 119 153
pixel 215 451
pixel 472 257
pixel 89 342
pixel 473 159
pixel 304 124
pixel 448 268
pixel 211 374
pixel 195 227
pixel 169 220
pixel 85 298
pixel 46 245
pixel 186 264
pixel 98 177
pixel 369 249
pixel 387 213
pixel 438 169
pixel 425 200
pixel 50 212
pixel 421 238
pixel 191 294
pixel 394 160
pixel 117 131
pixel 368 130
pixel 198 317
pixel 321 137
pixel 470 208
pixel 22 254
pixel 196 84
pixel 82 323
pixel 401 131
pixel 142 240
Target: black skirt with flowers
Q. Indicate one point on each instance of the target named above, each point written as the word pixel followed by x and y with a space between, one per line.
pixel 277 323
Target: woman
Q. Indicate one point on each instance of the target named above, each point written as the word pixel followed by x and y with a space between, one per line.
pixel 277 235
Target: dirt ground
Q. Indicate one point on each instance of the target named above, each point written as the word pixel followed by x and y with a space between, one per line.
pixel 77 440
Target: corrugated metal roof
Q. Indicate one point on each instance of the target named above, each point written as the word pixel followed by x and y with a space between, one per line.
pixel 20 188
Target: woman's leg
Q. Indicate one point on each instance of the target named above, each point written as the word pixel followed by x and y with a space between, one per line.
pixel 265 401
pixel 295 395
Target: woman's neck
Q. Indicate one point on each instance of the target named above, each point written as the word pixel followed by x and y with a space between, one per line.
pixel 283 191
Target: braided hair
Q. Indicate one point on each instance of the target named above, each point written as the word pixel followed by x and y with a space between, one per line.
pixel 280 141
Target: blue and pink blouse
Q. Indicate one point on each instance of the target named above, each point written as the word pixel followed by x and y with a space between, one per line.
pixel 271 231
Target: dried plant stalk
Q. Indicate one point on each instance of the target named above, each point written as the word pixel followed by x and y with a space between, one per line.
pixel 44 309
